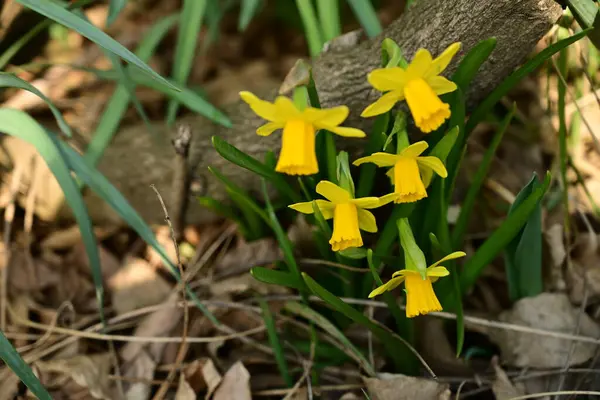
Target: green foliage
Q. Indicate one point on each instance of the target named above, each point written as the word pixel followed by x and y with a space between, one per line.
pixel 365 13
pixel 275 343
pixel 249 8
pixel 587 16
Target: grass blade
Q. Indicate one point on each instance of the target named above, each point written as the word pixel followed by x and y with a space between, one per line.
pixel 64 17
pixel 468 204
pixel 10 80
pixel 586 14
pixel 275 343
pixel 249 8
pixel 366 179
pixel 486 105
pixel 311 27
pixel 275 277
pixel 470 64
pixel 9 355
pixel 114 9
pixel 192 15
pixel 329 15
pixel 342 341
pixel 501 237
pixel 366 15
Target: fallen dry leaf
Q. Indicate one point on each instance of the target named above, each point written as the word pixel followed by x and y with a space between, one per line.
pixel 212 377
pixel 402 387
pixel 10 384
pixel 554 237
pixel 88 371
pixel 141 368
pixel 235 384
pixel 502 386
pixel 184 391
pixel 583 277
pixel 550 312
pixel 137 285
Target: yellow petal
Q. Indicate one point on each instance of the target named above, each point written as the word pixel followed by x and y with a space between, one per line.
pixel 442 61
pixel 366 202
pixel 435 164
pixel 333 192
pixel 366 221
pixel 379 159
pixel 262 108
pixel 307 207
pixel 407 181
pixel 451 256
pixel 415 149
pixel 298 155
pixel 419 65
pixel 383 104
pixel 441 85
pixel 346 230
pixel 389 285
pixel 343 131
pixel 404 272
pixel 428 111
pixel 437 271
pixel 326 116
pixel 420 297
pixel 388 198
pixel 386 79
pixel 269 128
pixel 286 110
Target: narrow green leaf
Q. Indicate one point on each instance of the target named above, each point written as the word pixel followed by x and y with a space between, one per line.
pixel 355 253
pixel 275 343
pixel 329 15
pixel 9 355
pixel 468 204
pixel 218 207
pixel 249 8
pixel 64 17
pixel 413 256
pixel 471 62
pixel 344 344
pixel 368 170
pixel 501 237
pixel 192 15
pixel 587 16
pixel 392 54
pixel 312 31
pixel 114 9
pixel 366 15
pixel 486 105
pixel 275 277
pixel 10 80
pixel 232 154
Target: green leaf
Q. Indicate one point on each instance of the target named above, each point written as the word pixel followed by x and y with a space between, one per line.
pixel 311 26
pixel 392 54
pixel 114 8
pixel 275 277
pixel 9 355
pixel 117 105
pixel 64 17
pixel 587 16
pixel 341 340
pixel 468 204
pixel 275 343
pixel 501 238
pixel 99 184
pixel 192 15
pixel 486 105
pixel 414 259
pixel 523 255
pixel 366 15
pixel 10 80
pixel 329 15
pixel 218 207
pixel 368 170
pixel 471 62
pixel 249 8
pixel 355 253
pixel 232 154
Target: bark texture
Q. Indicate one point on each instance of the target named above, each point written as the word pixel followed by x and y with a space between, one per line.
pixel 134 161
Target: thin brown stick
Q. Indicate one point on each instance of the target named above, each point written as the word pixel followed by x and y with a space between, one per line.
pixel 162 390
pixel 181 179
pixel 557 393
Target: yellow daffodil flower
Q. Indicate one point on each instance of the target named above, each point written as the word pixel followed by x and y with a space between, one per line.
pixel 420 297
pixel 420 84
pixel 298 156
pixel 407 169
pixel 349 215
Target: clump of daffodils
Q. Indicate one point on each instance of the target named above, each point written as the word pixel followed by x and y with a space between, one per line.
pixel 420 84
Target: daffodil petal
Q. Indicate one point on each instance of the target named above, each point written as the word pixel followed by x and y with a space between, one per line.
pixel 435 164
pixel 366 202
pixel 451 256
pixel 379 159
pixel 388 198
pixel 415 149
pixel 441 85
pixel 333 192
pixel 442 61
pixel 366 221
pixel 262 108
pixel 383 104
pixel 269 128
pixel 419 65
pixel 389 285
pixel 437 271
pixel 386 79
pixel 344 131
pixel 326 116
pixel 403 272
pixel 286 110
pixel 307 207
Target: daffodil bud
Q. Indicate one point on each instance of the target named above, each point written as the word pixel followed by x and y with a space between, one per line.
pixel 414 259
pixel 343 173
